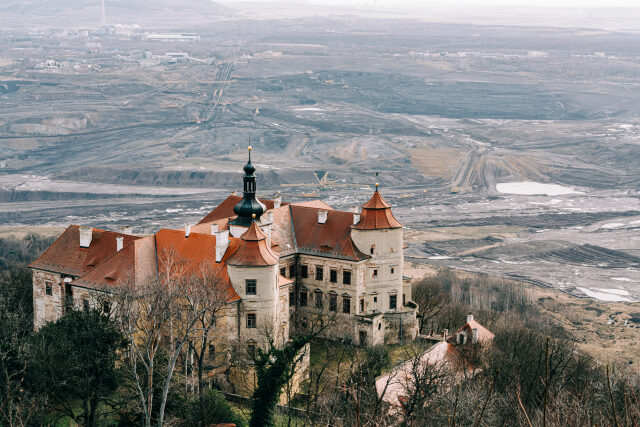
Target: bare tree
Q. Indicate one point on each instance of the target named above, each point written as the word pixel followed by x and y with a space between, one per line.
pixel 164 314
pixel 210 295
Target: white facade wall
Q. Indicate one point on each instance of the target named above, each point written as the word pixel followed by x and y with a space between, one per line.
pixel 267 305
pixel 383 275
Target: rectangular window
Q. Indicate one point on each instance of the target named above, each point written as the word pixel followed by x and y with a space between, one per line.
pixel 292 298
pixel 283 271
pixel 346 277
pixel 48 288
pixel 333 276
pixel 292 271
pixel 361 306
pixel 106 307
pixel 319 272
pixel 212 351
pixel 346 305
pixel 85 304
pixel 251 286
pixel 303 298
pixel 251 349
pixel 251 320
pixel 304 271
pixel 393 270
pixel 375 273
pixel 319 300
pixel 373 249
pixel 68 295
pixel 333 302
pixel 393 302
pixel 404 299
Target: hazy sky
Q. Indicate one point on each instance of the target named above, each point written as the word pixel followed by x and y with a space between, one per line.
pixel 511 3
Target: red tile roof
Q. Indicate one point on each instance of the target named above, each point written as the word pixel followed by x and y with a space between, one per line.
pixel 283 281
pixel 116 270
pixel 225 209
pixel 178 254
pixel 376 214
pixel 253 249
pixel 65 256
pixel 331 239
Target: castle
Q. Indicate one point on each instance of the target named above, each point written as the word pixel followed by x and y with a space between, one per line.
pixel 283 264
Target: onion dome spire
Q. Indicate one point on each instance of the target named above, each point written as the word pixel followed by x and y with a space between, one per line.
pixel 249 205
pixel 376 214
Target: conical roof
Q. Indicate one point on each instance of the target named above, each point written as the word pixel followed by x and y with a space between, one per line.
pixel 376 202
pixel 253 250
pixel 376 214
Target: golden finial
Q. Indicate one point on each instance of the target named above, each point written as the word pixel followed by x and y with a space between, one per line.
pixel 249 148
pixel 253 216
pixel 377 185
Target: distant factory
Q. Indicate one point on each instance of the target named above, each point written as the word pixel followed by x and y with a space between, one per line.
pixel 172 36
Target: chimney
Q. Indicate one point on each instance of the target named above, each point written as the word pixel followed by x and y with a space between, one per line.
pixel 269 217
pixel 119 243
pixel 469 318
pixel 356 215
pixel 474 335
pixel 187 230
pixel 222 242
pixel 277 201
pixel 214 229
pixel 322 217
pixel 86 234
pixel 126 229
pixel 444 334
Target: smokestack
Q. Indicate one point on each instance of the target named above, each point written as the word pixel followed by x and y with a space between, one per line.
pixel 214 229
pixel 469 318
pixel 126 229
pixel 356 218
pixel 119 243
pixel 474 335
pixel 322 217
pixel 269 217
pixel 86 234
pixel 222 242
pixel 277 201
pixel 187 230
pixel 104 15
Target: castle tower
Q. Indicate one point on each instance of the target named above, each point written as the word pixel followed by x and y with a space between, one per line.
pixel 379 235
pixel 249 208
pixel 253 270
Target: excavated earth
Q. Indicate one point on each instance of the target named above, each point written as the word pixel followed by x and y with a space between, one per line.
pixel 442 115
